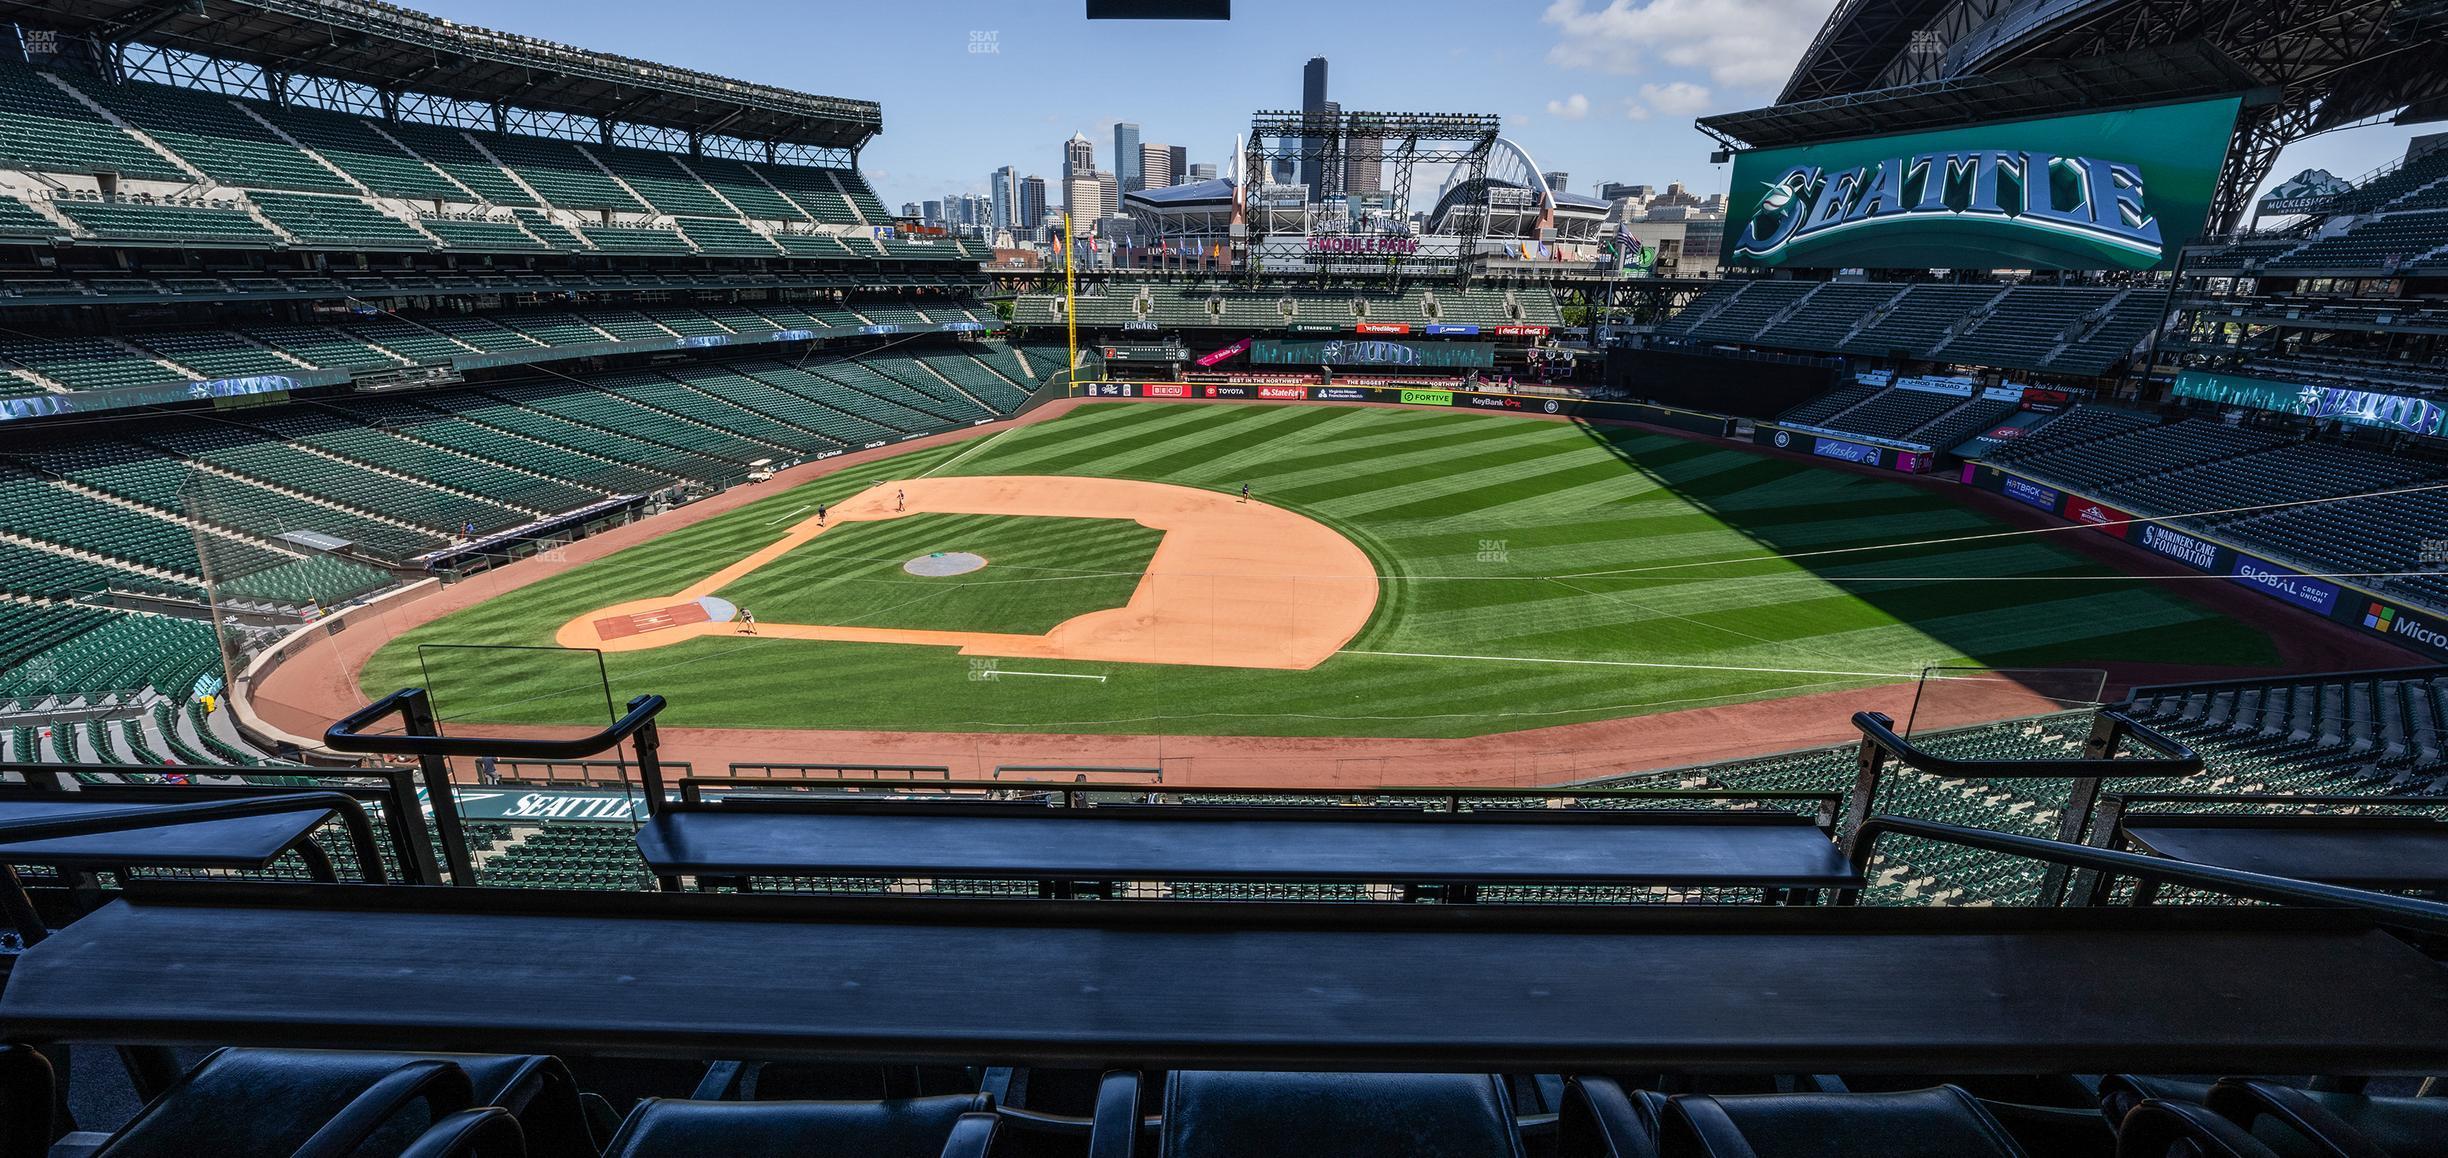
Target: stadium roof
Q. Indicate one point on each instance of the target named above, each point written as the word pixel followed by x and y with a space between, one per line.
pixel 2182 72
pixel 1192 193
pixel 394 49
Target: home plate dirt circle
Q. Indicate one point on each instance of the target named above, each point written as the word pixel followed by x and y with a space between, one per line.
pixel 943 563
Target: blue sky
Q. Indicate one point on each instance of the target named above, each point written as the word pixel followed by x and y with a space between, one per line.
pixel 1603 89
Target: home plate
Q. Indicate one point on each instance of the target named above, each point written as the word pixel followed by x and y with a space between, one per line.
pixel 707 609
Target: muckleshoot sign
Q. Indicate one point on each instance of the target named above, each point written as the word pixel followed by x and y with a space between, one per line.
pixel 2114 190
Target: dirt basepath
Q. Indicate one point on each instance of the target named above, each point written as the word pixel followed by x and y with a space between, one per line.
pixel 320 682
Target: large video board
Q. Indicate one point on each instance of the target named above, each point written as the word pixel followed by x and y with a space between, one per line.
pixel 2115 190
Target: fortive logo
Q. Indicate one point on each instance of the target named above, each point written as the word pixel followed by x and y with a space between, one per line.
pixel 2088 209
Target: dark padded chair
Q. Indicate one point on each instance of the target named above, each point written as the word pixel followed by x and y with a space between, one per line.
pixel 952 1126
pixel 2120 1093
pixel 27 1101
pixel 2329 1124
pixel 481 1132
pixel 1213 1114
pixel 1944 1122
pixel 298 1102
pixel 2166 1129
pixel 301 1088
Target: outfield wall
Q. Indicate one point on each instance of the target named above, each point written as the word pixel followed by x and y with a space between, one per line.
pixel 1694 421
pixel 1844 446
pixel 2418 630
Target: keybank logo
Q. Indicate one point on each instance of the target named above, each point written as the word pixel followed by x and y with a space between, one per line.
pixel 2086 211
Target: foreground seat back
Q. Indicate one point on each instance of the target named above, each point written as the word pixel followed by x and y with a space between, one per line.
pixel 1944 1122
pixel 1212 1114
pixel 900 1128
pixel 2331 1124
pixel 301 1102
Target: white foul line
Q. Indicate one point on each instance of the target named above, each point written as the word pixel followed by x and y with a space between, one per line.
pixel 992 673
pixel 1632 663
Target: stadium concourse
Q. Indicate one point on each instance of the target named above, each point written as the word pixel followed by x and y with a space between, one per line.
pixel 538 618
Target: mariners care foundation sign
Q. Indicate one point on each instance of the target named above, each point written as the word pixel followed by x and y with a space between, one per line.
pixel 2115 190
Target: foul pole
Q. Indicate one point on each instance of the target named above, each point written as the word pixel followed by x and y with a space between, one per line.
pixel 1070 305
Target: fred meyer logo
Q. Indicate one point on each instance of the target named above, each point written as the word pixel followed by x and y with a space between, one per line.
pixel 2183 548
pixel 2392 621
pixel 1428 397
pixel 2090 209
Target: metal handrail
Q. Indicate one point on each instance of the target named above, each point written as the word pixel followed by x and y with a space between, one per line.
pixel 2109 730
pixel 2182 760
pixel 421 736
pixel 2400 912
pixel 20 906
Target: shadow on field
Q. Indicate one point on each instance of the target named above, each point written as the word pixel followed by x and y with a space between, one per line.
pixel 1918 558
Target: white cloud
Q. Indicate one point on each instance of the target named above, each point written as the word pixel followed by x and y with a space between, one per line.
pixel 1740 44
pixel 1679 98
pixel 1571 108
pixel 1635 110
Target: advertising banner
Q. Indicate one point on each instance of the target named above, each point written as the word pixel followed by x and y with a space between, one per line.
pixel 1226 354
pixel 1372 352
pixel 1521 331
pixel 2416 629
pixel 1852 452
pixel 2124 189
pixel 2340 403
pixel 2293 586
pixel 1382 328
pixel 1451 330
pixel 2097 514
pixel 1695 421
pixel 2032 494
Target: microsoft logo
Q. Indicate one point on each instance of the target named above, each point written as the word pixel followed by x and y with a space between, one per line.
pixel 2381 619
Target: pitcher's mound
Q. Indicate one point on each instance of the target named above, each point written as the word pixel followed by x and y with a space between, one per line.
pixel 943 563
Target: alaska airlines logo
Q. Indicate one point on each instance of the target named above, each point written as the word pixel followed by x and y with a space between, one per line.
pixel 2079 211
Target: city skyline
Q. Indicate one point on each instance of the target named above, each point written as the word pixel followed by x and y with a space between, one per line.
pixel 1603 89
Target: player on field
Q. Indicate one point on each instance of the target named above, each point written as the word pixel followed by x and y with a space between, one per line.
pixel 747 622
pixel 900 501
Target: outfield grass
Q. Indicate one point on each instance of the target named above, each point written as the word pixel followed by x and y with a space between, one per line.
pixel 1534 573
pixel 1039 572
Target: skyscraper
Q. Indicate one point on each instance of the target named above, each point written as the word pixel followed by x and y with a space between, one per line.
pixel 1002 198
pixel 1109 194
pixel 1126 154
pixel 1202 172
pixel 1363 165
pixel 1177 160
pixel 1079 156
pixel 1082 199
pixel 1313 105
pixel 1155 166
pixel 1032 205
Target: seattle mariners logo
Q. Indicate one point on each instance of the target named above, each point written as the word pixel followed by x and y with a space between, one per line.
pixel 1783 439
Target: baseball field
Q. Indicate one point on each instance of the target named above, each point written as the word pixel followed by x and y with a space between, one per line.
pixel 1393 573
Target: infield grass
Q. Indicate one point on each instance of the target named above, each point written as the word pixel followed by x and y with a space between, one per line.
pixel 1533 573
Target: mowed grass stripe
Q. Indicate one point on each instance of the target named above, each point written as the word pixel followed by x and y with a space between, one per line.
pixel 1420 491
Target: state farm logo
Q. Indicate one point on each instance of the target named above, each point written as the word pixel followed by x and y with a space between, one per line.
pixel 1294 393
